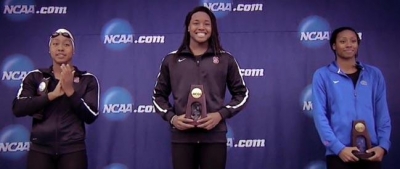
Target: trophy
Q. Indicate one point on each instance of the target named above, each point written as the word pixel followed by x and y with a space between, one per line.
pixel 196 105
pixel 361 139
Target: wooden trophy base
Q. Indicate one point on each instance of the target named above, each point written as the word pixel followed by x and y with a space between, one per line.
pixel 363 155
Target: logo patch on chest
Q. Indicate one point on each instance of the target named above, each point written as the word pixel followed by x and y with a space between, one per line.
pixel 76 79
pixel 363 82
pixel 215 60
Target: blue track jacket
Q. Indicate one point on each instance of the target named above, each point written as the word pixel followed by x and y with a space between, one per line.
pixel 336 103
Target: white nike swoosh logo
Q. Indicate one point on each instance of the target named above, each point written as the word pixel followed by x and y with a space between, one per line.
pixel 180 60
pixel 335 82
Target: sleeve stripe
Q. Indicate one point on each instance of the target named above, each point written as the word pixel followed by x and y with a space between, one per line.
pixel 246 94
pixel 154 91
pixel 158 107
pixel 98 96
pixel 22 84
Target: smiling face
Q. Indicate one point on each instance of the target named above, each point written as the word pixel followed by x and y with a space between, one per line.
pixel 200 28
pixel 346 45
pixel 61 50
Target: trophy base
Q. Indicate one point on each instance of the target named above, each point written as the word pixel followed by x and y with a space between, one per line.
pixel 363 155
pixel 195 123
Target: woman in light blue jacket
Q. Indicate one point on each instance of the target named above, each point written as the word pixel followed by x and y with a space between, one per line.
pixel 346 92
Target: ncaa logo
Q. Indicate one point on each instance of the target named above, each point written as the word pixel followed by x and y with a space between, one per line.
pixel 306 100
pixel 230 137
pixel 314 31
pixel 15 68
pixel 14 142
pixel 220 8
pixel 117 104
pixel 316 165
pixel 117 34
pixel 116 166
pixel 18 10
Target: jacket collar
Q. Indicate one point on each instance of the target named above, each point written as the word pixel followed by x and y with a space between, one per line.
pixel 335 68
pixel 209 52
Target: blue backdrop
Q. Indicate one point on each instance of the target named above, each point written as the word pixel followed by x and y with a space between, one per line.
pixel 278 44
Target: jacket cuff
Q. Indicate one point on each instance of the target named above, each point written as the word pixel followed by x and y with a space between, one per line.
pixel 172 119
pixel 337 147
pixel 224 113
pixel 168 116
pixel 385 144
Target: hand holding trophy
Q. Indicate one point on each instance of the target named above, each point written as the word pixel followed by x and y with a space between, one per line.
pixel 361 140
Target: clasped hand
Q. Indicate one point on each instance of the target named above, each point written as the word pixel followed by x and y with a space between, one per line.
pixel 65 84
pixel 208 123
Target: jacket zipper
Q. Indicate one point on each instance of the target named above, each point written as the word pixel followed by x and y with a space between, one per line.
pixel 198 69
pixel 355 93
pixel 56 139
pixel 355 100
pixel 198 76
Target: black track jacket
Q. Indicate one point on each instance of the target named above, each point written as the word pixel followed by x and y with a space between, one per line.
pixel 216 74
